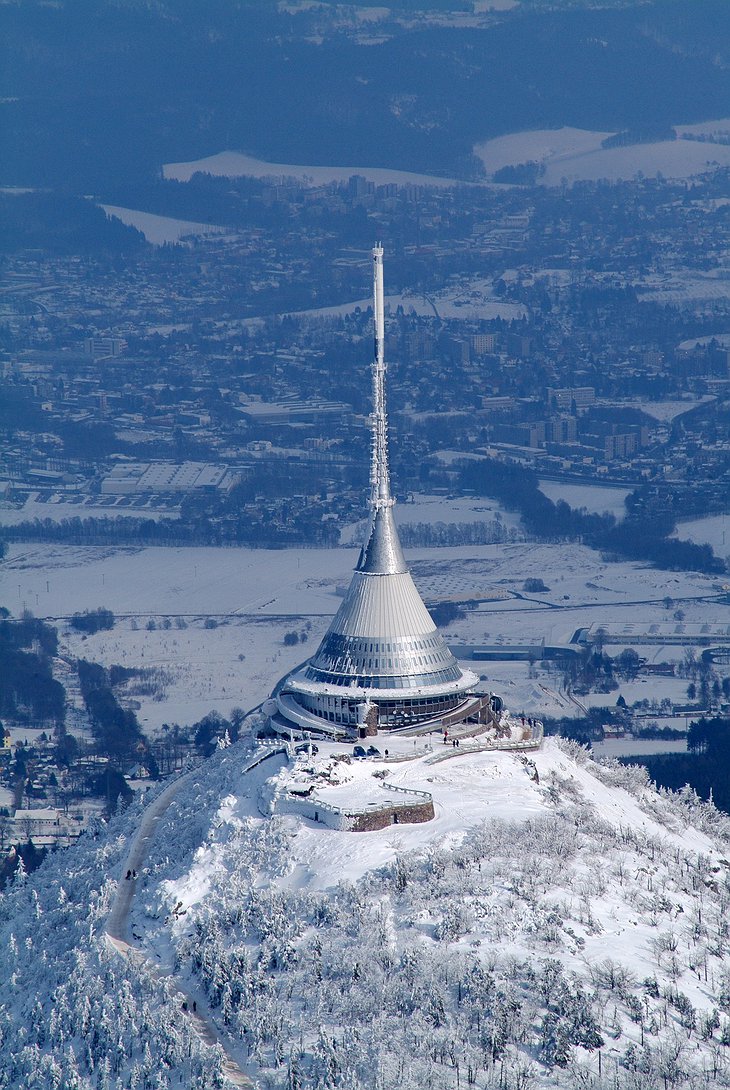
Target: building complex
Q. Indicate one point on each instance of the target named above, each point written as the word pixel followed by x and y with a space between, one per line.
pixel 382 660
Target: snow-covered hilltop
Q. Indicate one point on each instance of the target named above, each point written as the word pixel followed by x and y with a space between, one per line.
pixel 551 910
pixel 558 923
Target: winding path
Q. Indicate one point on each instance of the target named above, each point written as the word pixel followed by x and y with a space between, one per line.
pixel 117 926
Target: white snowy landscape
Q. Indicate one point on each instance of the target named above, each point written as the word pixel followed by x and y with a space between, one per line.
pixel 558 924
pixel 161 229
pixel 595 498
pixel 238 604
pixel 712 530
pixel 234 164
pixel 567 154
pixel 576 155
pixel 230 860
pixel 471 299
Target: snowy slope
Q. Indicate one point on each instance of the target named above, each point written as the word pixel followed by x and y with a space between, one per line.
pixel 234 164
pixel 73 1014
pixel 160 229
pixel 535 923
pixel 575 155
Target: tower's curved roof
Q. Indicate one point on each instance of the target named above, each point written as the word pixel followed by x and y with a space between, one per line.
pixel 383 638
pixel 382 635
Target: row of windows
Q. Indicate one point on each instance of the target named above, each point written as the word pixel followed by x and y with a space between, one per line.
pixel 335 643
pixel 390 713
pixel 385 681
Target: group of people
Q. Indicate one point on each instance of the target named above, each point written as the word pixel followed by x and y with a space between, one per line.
pixel 130 874
pixel 454 741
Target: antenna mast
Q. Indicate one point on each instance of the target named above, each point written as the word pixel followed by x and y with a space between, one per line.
pixel 380 496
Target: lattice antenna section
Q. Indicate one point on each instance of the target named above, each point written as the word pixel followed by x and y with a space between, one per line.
pixel 380 496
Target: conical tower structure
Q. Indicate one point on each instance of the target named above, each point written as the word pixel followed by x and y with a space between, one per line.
pixel 382 648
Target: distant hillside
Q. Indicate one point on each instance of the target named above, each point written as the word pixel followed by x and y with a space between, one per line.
pixel 61 224
pixel 94 91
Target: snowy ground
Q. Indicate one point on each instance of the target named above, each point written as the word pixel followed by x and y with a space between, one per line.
pixel 160 229
pixel 234 164
pixel 538 891
pixel 57 508
pixel 466 790
pixel 538 145
pixel 721 339
pixel 642 688
pixel 323 857
pixel 712 530
pixel 668 410
pixel 473 301
pixel 556 863
pixel 201 670
pixel 577 155
pixel 435 509
pixel 595 498
pixel 255 597
pixel 682 287
pixel 637 747
pixel 713 127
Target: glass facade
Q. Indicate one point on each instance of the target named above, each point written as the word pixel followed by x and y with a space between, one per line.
pixel 391 713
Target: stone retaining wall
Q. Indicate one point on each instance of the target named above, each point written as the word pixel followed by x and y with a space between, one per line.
pixel 393 815
pixel 417 807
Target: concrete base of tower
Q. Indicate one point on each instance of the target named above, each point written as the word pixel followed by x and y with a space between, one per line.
pixel 336 709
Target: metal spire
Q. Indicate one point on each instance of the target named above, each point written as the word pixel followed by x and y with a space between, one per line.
pixel 379 473
pixel 382 553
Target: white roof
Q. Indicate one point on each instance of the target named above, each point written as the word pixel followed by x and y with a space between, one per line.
pixel 37 815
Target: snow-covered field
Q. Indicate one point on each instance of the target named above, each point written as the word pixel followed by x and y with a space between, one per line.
pixel 153 582
pixel 474 301
pixel 201 670
pixel 254 597
pixel 160 229
pixel 435 509
pixel 57 510
pixel 234 164
pixel 538 145
pixel 668 410
pixel 722 339
pixel 714 127
pixel 712 530
pixel 576 155
pixel 595 498
pixel 685 287
pixel 636 747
